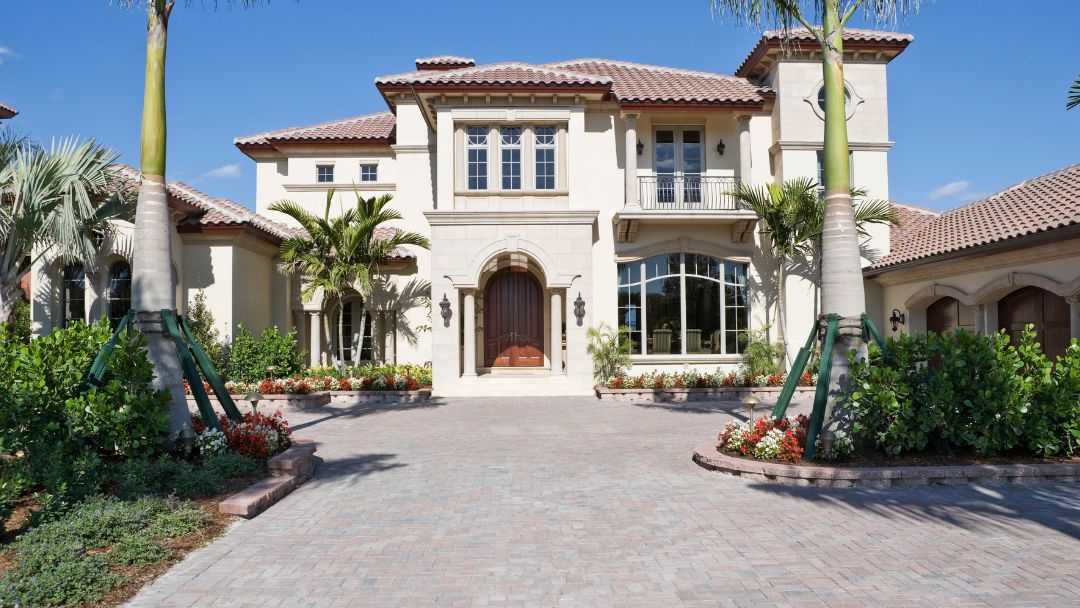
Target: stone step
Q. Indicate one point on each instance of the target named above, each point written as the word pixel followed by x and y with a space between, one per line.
pixel 254 499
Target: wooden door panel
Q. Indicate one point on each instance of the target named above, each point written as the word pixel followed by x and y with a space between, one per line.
pixel 1049 313
pixel 513 321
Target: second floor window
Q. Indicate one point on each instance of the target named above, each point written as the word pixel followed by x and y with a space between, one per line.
pixel 369 173
pixel 476 143
pixel 545 158
pixel 510 147
pixel 324 174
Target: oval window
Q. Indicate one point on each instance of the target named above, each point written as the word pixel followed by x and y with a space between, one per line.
pixel 821 99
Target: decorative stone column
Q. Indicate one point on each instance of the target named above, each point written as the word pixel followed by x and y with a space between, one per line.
pixel 744 148
pixel 315 340
pixel 468 316
pixel 630 172
pixel 390 336
pixel 556 332
pixel 1074 315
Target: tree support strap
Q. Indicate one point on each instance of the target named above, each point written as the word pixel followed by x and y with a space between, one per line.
pixel 190 372
pixel 794 374
pixel 821 395
pixel 95 376
pixel 211 375
pixel 870 330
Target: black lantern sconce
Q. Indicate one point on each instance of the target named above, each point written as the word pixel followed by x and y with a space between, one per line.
pixel 720 147
pixel 579 309
pixel 897 319
pixel 446 314
pixel 640 147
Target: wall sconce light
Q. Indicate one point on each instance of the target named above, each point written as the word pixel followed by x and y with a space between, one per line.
pixel 720 147
pixel 579 309
pixel 446 314
pixel 897 319
pixel 640 147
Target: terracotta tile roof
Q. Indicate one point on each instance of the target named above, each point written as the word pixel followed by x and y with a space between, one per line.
pixel 1037 205
pixel 7 111
pixel 855 36
pixel 642 83
pixel 205 210
pixel 442 62
pixel 911 217
pixel 367 128
pixel 496 74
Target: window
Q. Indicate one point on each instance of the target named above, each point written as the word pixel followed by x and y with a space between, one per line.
pixel 821 171
pixel 684 304
pixel 369 173
pixel 821 99
pixel 476 141
pixel 118 292
pixel 678 159
pixel 545 158
pixel 324 174
pixel 72 295
pixel 350 330
pixel 510 149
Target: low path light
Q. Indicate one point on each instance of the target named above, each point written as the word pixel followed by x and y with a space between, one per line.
pixel 750 401
pixel 254 397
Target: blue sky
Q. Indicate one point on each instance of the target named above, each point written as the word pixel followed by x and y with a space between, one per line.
pixel 976 103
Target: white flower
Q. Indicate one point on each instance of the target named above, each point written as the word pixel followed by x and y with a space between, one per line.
pixel 212 442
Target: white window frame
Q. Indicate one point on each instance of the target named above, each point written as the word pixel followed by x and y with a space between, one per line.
pixel 505 132
pixel 477 145
pixel 553 146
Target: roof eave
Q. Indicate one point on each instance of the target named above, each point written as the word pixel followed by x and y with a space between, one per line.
pixel 766 46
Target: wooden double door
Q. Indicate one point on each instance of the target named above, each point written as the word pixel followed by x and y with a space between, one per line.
pixel 513 320
pixel 1048 312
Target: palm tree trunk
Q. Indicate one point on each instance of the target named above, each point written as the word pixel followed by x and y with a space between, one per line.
pixel 781 313
pixel 363 327
pixel 10 294
pixel 841 266
pixel 341 333
pixel 152 282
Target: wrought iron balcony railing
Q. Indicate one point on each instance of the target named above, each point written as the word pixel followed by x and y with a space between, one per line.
pixel 686 193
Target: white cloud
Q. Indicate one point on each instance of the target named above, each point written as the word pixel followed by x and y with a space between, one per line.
pixel 6 53
pixel 228 171
pixel 952 189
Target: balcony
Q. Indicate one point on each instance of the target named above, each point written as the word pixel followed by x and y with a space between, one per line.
pixel 686 193
pixel 684 199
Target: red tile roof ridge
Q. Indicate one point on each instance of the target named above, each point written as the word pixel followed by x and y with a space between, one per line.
pixel 849 32
pixel 648 66
pixel 421 77
pixel 260 137
pixel 915 208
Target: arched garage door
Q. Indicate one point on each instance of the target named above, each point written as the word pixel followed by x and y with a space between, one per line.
pixel 1047 311
pixel 948 314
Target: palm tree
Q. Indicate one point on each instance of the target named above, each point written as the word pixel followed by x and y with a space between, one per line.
pixel 54 202
pixel 152 285
pixel 792 214
pixel 1074 95
pixel 343 252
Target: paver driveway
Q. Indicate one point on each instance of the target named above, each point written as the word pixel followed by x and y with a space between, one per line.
pixel 575 502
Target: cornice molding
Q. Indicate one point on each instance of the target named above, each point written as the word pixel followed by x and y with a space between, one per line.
pixel 798 144
pixel 460 218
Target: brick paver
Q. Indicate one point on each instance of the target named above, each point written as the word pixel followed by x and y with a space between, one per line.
pixel 576 502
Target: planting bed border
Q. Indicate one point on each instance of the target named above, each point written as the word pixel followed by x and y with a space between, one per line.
pixel 297 401
pixel 287 470
pixel 670 395
pixel 354 397
pixel 707 456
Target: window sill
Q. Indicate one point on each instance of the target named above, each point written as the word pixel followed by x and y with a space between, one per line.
pixel 324 186
pixel 688 359
pixel 511 193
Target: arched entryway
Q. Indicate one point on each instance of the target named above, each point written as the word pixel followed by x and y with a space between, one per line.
pixel 513 319
pixel 1048 312
pixel 947 314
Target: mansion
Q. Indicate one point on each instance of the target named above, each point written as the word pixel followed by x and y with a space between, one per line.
pixel 561 196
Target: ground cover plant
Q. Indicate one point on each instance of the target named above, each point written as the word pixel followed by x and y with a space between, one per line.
pixel 961 392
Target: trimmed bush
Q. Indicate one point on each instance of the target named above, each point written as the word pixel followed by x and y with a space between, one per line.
pixel 967 391
pixel 271 356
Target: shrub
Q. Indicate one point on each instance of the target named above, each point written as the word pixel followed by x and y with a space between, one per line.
pixel 164 476
pixel 272 355
pixel 21 327
pixel 761 356
pixel 229 465
pixel 138 550
pixel 203 328
pixel 966 391
pixel 610 351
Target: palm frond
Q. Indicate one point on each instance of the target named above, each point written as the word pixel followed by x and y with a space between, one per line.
pixel 1074 95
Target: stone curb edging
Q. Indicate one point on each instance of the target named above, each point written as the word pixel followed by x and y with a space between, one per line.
pixel 668 395
pixel 353 397
pixel 300 401
pixel 288 470
pixel 708 457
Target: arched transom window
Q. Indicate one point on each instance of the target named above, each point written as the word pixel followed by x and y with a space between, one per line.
pixel 684 304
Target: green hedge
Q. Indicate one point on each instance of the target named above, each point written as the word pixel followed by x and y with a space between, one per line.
pixel 271 356
pixel 964 391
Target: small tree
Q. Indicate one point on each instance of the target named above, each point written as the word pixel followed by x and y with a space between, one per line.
pixel 610 351
pixel 344 252
pixel 203 327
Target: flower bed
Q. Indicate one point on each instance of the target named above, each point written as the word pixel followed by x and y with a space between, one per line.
pixel 719 379
pixel 313 384
pixel 257 436
pixel 769 438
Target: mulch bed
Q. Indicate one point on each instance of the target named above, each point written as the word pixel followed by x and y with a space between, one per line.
pixel 138 577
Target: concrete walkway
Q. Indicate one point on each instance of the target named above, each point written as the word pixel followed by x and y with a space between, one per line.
pixel 575 502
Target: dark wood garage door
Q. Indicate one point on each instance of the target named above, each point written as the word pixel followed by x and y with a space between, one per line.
pixel 1048 312
pixel 513 320
pixel 948 314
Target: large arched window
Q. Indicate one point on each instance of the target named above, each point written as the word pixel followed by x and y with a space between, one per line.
pixel 118 292
pixel 72 294
pixel 684 304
